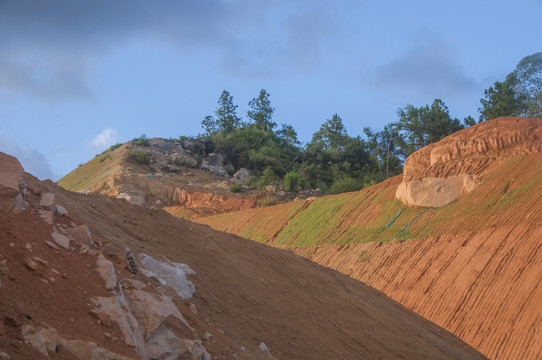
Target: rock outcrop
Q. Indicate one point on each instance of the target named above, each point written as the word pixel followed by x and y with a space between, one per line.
pixel 10 173
pixel 445 171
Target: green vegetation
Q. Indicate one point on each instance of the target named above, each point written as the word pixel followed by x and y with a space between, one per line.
pixel 519 95
pixel 142 156
pixel 335 161
pixel 292 181
pixel 142 141
pixel 116 146
pixel 268 177
pixel 236 188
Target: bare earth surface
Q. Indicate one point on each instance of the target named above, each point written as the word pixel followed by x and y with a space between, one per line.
pixel 246 293
pixel 472 266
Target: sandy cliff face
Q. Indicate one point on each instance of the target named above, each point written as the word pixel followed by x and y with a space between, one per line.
pixel 445 171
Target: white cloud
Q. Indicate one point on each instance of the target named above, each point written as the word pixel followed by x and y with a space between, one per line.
pixel 104 139
pixel 32 160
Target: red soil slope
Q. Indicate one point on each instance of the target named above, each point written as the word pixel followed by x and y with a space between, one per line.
pixel 246 293
pixel 472 266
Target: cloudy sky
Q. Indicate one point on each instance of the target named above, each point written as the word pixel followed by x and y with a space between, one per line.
pixel 79 76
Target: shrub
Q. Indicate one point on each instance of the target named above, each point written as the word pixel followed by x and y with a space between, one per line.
pixel 236 188
pixel 142 141
pixel 291 181
pixel 252 182
pixel 345 185
pixel 267 178
pixel 269 201
pixel 142 156
pixel 113 147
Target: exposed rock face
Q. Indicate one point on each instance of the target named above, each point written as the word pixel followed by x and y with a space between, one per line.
pixel 445 171
pixel 10 172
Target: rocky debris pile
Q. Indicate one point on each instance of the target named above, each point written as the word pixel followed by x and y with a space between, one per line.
pixel 441 173
pixel 146 319
pixel 170 155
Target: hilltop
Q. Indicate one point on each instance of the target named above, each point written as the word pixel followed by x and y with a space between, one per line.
pixel 456 238
pixel 71 289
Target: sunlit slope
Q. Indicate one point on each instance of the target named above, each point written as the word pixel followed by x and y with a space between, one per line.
pixel 97 171
pixel 472 266
pixel 510 195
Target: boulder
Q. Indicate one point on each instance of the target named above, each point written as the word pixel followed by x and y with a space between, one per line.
pixel 215 159
pixel 132 198
pixel 45 340
pixel 10 174
pixel 47 199
pixel 114 309
pixel 205 165
pixel 219 171
pixel 59 210
pixel 19 204
pixel 88 350
pixel 106 270
pixel 151 311
pixel 242 175
pixel 61 240
pixel 162 144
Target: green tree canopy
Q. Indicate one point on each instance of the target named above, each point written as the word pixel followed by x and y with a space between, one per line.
pixel 526 82
pixel 498 101
pixel 426 124
pixel 331 135
pixel 519 95
pixel 226 119
pixel 261 111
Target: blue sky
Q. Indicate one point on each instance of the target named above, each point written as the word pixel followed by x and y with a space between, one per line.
pixel 77 77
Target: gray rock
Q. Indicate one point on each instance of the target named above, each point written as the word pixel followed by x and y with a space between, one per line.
pixel 19 204
pixel 219 171
pixel 194 146
pixel 61 240
pixel 215 159
pixel 280 193
pixel 229 168
pixel 59 210
pixel 242 175
pixel 205 165
pixel 132 198
pixel 162 144
pixel 47 199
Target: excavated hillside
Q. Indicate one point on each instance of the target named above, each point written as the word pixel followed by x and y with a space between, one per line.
pixel 468 260
pixel 173 178
pixel 94 277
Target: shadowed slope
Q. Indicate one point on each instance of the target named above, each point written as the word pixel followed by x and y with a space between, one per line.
pixel 259 294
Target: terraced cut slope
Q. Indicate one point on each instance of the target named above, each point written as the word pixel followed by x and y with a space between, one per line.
pixel 251 301
pixel 472 266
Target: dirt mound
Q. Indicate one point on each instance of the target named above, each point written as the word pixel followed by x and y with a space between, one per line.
pixel 470 266
pixel 445 171
pixel 74 295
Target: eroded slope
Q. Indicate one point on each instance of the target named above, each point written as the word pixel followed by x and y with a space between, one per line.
pixel 471 266
pixel 246 293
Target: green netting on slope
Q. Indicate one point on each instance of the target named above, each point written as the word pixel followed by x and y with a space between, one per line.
pixel 391 221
